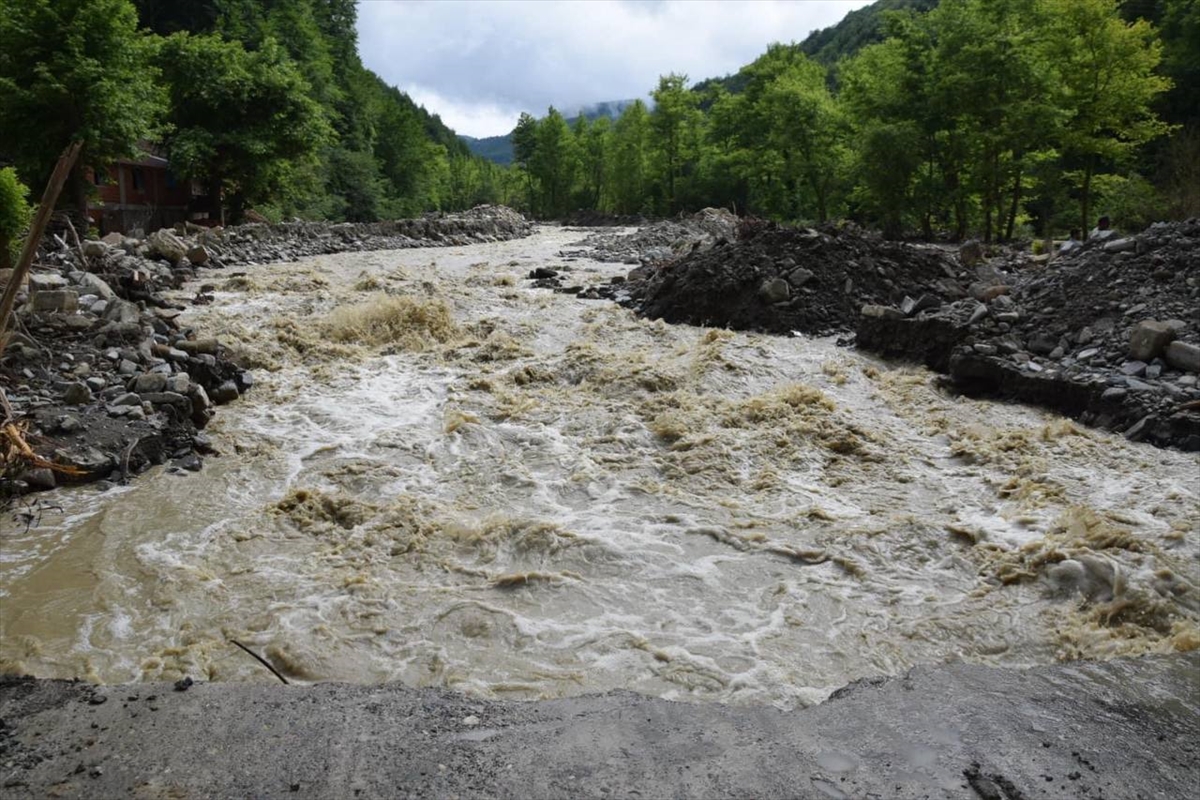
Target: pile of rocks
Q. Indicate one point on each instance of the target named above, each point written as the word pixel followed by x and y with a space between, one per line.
pixel 777 279
pixel 103 374
pixel 1109 333
pixel 663 240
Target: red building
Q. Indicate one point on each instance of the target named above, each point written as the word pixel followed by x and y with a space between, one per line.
pixel 141 193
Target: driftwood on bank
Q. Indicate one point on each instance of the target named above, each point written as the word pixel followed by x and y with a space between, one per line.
pixel 45 210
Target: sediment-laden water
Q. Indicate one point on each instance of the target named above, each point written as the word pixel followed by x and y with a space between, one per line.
pixel 445 478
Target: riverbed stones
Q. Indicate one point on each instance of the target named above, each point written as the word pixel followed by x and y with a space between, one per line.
pixel 166 245
pixel 1148 339
pixel 77 394
pixel 227 392
pixel 150 382
pixel 1184 356
pixel 775 290
pixel 62 301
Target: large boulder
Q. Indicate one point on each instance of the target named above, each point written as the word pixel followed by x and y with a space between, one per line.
pixel 1148 339
pixel 166 245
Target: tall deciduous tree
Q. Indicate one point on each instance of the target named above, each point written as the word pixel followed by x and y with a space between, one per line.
pixel 1107 83
pixel 675 126
pixel 630 155
pixel 74 70
pixel 242 121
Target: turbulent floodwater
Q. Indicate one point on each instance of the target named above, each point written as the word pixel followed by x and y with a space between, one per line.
pixel 448 479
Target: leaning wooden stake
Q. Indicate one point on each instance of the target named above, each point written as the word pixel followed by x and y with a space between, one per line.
pixel 45 209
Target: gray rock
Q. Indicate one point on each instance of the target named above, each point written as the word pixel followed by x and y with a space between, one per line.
pixel 40 478
pixel 1042 343
pixel 198 346
pixel 970 253
pixel 1138 386
pixel 64 301
pixel 227 392
pixel 1148 339
pixel 96 285
pixel 127 367
pixel 775 290
pixel 95 249
pixel 1183 356
pixel 1133 368
pixel 127 399
pixel 168 399
pixel 150 382
pixel 1114 393
pixel 96 383
pixel 198 255
pixel 984 349
pixel 77 394
pixel 46 282
pixel 166 245
pixel 882 312
pixel 1084 336
pixel 99 308
pixel 799 277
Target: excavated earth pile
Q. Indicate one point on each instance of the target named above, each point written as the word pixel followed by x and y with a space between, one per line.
pixel 662 240
pixel 101 380
pixel 778 280
pixel 1109 333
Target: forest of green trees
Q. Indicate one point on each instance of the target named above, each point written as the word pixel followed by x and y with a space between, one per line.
pixel 264 101
pixel 994 118
pixel 997 118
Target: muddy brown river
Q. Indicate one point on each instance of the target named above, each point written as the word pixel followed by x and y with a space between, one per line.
pixel 446 478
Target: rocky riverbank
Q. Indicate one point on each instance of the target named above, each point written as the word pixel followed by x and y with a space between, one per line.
pixel 101 377
pixel 1109 333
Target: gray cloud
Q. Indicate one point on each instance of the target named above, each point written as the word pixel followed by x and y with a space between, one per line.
pixel 479 63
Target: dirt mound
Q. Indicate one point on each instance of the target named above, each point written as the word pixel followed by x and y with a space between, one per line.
pixel 1109 333
pixel 600 219
pixel 664 239
pixel 779 279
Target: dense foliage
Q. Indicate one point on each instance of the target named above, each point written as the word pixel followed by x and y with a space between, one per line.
pixel 264 101
pixel 995 118
pixel 987 117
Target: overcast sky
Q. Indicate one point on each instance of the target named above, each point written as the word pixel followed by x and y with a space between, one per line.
pixel 480 63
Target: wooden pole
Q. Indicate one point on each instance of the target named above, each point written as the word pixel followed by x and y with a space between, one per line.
pixel 45 209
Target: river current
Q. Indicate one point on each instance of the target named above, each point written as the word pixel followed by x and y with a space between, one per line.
pixel 445 477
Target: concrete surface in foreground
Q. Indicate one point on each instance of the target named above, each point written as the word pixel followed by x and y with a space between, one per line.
pixel 1123 729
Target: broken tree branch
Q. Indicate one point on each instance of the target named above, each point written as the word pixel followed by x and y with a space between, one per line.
pixel 260 660
pixel 45 209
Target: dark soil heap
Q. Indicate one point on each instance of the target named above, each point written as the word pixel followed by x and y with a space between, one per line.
pixel 777 280
pixel 1109 333
pixel 102 380
pixel 663 240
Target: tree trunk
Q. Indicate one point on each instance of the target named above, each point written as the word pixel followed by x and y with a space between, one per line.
pixel 215 204
pixel 1016 202
pixel 46 207
pixel 1085 200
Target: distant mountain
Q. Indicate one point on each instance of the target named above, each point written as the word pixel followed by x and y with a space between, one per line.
pixel 494 148
pixel 500 150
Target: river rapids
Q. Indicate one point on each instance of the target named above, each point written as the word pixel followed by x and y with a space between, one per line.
pixel 446 478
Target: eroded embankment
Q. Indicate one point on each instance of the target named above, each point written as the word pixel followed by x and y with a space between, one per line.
pixel 1122 729
pixel 103 378
pixel 1109 334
